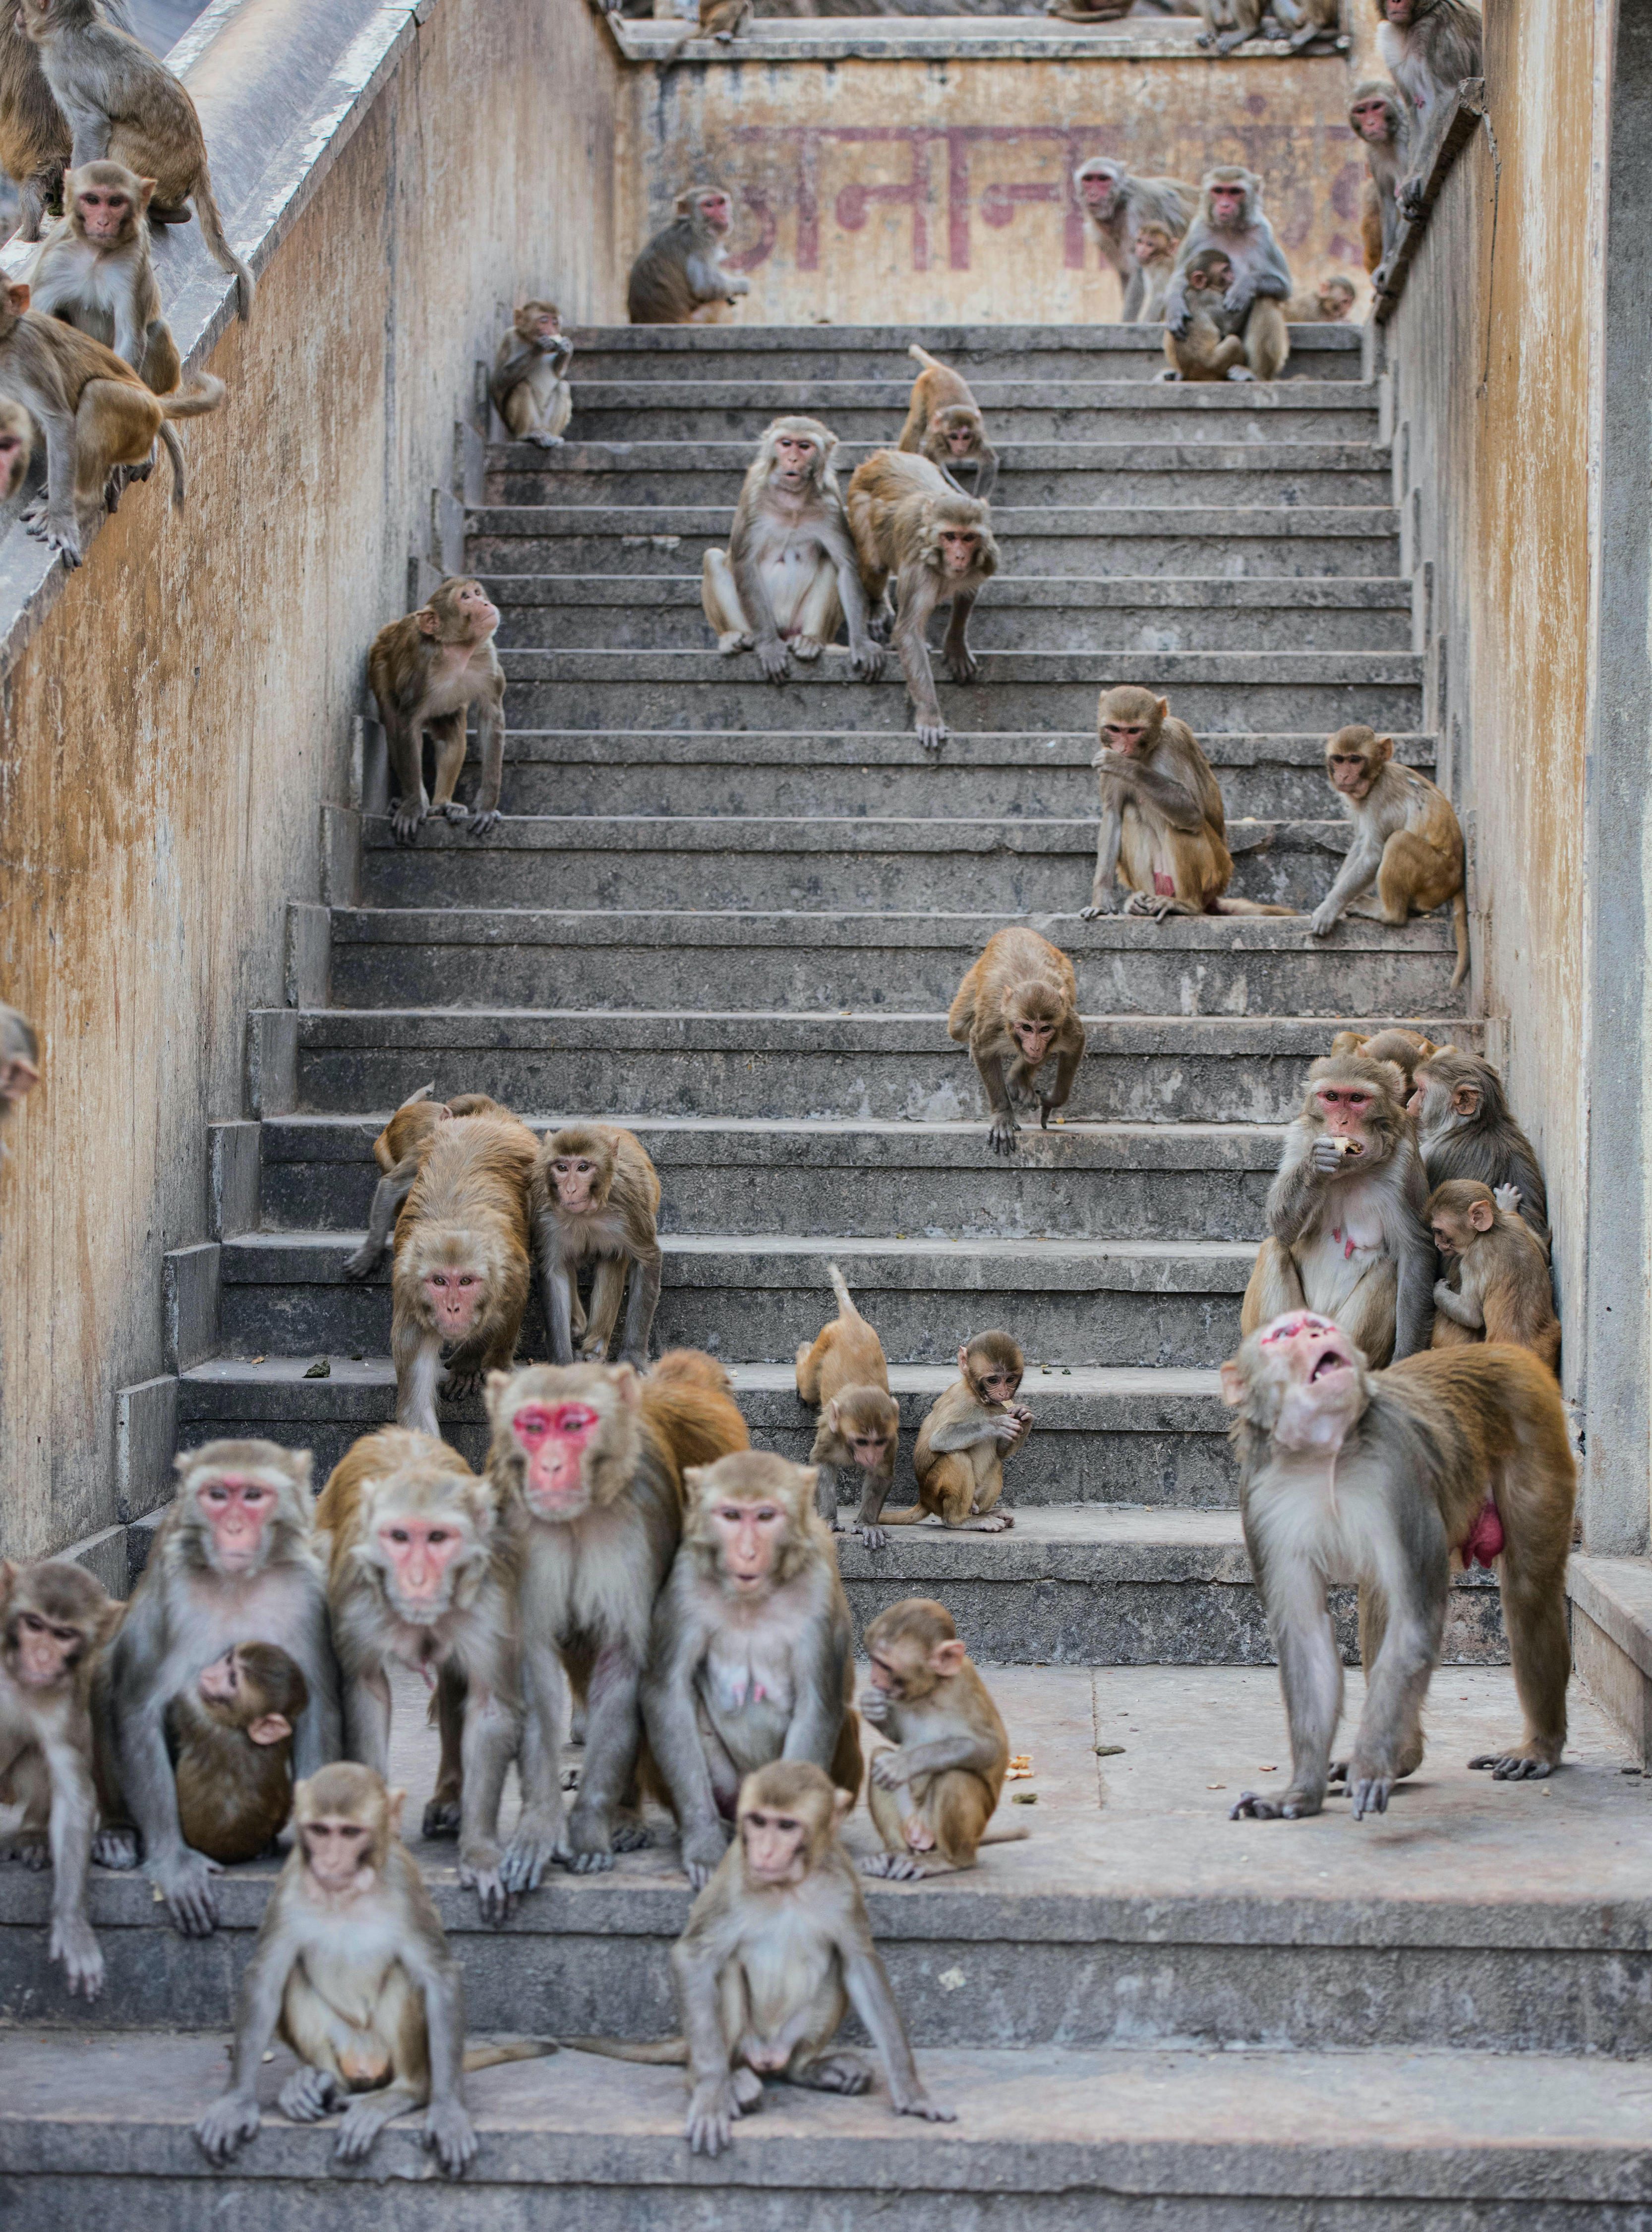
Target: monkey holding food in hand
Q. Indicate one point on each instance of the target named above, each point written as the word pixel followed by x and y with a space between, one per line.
pixel 529 387
pixel 962 1445
pixel 933 1794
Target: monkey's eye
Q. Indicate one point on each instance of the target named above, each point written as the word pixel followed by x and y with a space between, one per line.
pixel 466 1279
pixel 32 1622
pixel 438 1535
pixel 399 1534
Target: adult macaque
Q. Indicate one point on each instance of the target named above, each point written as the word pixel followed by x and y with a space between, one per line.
pixel 426 670
pixel 933 1794
pixel 1406 841
pixel 1019 1004
pixel 1163 838
pixel 529 387
pixel 791 571
pixel 943 423
pixel 594 1198
pixel 587 1464
pixel 54 1619
pixel 1465 1131
pixel 94 412
pixel 1347 1235
pixel 1230 218
pixel 123 105
pixel 1405 1049
pixel 1115 205
pixel 1211 345
pixel 777 1949
pixel 753 1652
pixel 911 525
pixel 94 271
pixel 973 1427
pixel 1331 303
pixel 1504 1293
pixel 33 135
pixel 1379 1476
pixel 460 1279
pixel 19 1049
pixel 1382 122
pixel 843 1370
pixel 1153 251
pixel 418 1578
pixel 1312 24
pixel 399 1151
pixel 679 278
pixel 234 1558
pixel 722 20
pixel 233 1737
pixel 1430 47
pixel 1229 23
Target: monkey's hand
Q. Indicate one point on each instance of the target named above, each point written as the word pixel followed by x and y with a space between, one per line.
pixel 1367 1790
pixel 61 529
pixel 1255 1805
pixel 450 2136
pixel 480 824
pixel 712 2110
pixel 407 819
pixel 932 733
pixel 361 1261
pixel 1236 300
pixel 960 662
pixel 1443 1296
pixel 873 1706
pixel 1507 1196
pixel 867 661
pixel 115 1848
pixel 1102 902
pixel 874 1537
pixel 1325 1158
pixel 1002 1132
pixel 185 1883
pixel 1323 920
pixel 921 2104
pixel 73 1944
pixel 528 1854
pixel 894 1867
pixel 703 1848
pixel 232 2119
pixel 772 658
pixel 481 1870
pixel 887 1770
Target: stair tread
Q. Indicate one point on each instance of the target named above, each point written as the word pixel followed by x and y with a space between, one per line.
pixel 1003 1251
pixel 1114 521
pixel 924 926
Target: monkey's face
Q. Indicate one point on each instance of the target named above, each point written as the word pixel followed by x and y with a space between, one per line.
pixel 1032 1034
pixel 960 440
pixel 1150 245
pixel 717 212
pixel 1215 276
pixel 474 608
pixel 1439 1101
pixel 554 1438
pixel 749 1534
pixel 1308 1377
pixel 959 548
pixel 992 1382
pixel 794 460
pixel 1227 203
pixel 1371 120
pixel 14 463
pixel 219 1681
pixel 579 1184
pixel 238 1507
pixel 906 1672
pixel 338 1852
pixel 1345 1110
pixel 546 328
pixel 40 1653
pixel 453 1295
pixel 1099 191
pixel 1403 12
pixel 1351 772
pixel 1119 735
pixel 1336 302
pixel 1450 1233
pixel 105 213
pixel 419 1553
pixel 775 1846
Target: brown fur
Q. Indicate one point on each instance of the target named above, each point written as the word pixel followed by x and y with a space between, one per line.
pixel 1406 841
pixel 964 1442
pixel 1467 1130
pixel 34 132
pixel 1405 1049
pixel 679 278
pixel 942 407
pixel 424 683
pixel 939 1691
pixel 1212 344
pixel 1428 53
pixel 1504 1275
pixel 843 1371
pixel 234 1794
pixel 1020 981
pixel 73 277
pixel 1388 161
pixel 529 386
pixel 1113 222
pixel 616 1233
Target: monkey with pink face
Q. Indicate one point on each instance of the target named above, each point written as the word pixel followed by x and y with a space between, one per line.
pixel 1230 218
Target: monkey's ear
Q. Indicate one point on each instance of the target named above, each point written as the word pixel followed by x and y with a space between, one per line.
pixel 146 191
pixel 1482 1215
pixel 627 1385
pixel 8 1578
pixel 302 1465
pixel 841 1802
pixel 394 1800
pixel 427 620
pixel 1233 1385
pixel 964 1361
pixel 1383 751
pixel 270 1729
pixel 832 1414
pixel 1465 1101
pixel 1165 709
pixel 947 1657
pixel 109 1619
pixel 692 1476
pixel 17 295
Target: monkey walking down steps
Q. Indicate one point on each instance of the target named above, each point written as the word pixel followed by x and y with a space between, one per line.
pixel 732 916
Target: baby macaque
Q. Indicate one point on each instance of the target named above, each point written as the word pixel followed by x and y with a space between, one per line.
pixel 1154 252
pixel 933 1794
pixel 233 1737
pixel 943 423
pixel 1019 1004
pixel 1405 1049
pixel 1331 303
pixel 843 1370
pixel 1505 1294
pixel 963 1443
pixel 529 386
pixel 1211 345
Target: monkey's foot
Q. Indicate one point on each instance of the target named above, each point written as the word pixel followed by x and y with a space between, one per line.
pixel 867 663
pixel 361 1262
pixel 920 2104
pixel 452 811
pixel 1368 1792
pixel 1253 1805
pixel 582 1862
pixel 1164 377
pixel 63 534
pixel 441 1818
pixel 712 2112
pixel 893 1868
pixel 230 2119
pixel 482 1872
pixel 309 2094
pixel 963 665
pixel 1525 1763
pixel 773 658
pixel 920 1838
pixel 528 1856
pixel 807 648
pixel 992 1523
pixel 450 2137
pixel 364 2119
pixel 73 1944
pixel 547 441
pixel 631 1837
pixel 481 824
pixel 932 735
pixel 30 1848
pixel 734 642
pixel 406 822
pixel 835 2072
pixel 186 1884
pixel 1240 372
pixel 460 1386
pixel 748 2091
pixel 1001 1136
pixel 875 1538
pixel 115 1848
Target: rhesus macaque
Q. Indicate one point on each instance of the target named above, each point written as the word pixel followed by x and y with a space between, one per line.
pixel 1406 841
pixel 843 1370
pixel 1088 12
pixel 1163 837
pixel 943 423
pixel 973 1427
pixel 19 1049
pixel 791 571
pixel 1115 205
pixel 679 278
pixel 33 134
pixel 932 1796
pixel 1430 47
pixel 529 387
pixel 1153 251
pixel 94 271
pixel 232 1734
pixel 1019 1004
pixel 1331 303
pixel 235 1557
pixel 1211 345
pixel 1230 218
pixel 461 1273
pixel 16 446
pixel 1311 22
pixel 352 1970
pixel 1504 1293
pixel 753 1653
pixel 54 1619
pixel 1347 1234
pixel 418 1578
pixel 399 1151
pixel 777 1949
pixel 426 670
pixel 1229 23
pixel 1380 1477
pixel 94 412
pixel 594 1198
pixel 587 1464
pixel 910 523
pixel 1382 122
pixel 124 106
pixel 718 19
pixel 1465 1131
pixel 1405 1049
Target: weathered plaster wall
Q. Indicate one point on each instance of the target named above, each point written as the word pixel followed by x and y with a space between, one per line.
pixel 168 736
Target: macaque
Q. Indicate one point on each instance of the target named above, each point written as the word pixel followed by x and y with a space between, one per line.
pixel 399 1151
pixel 790 572
pixel 1229 23
pixel 1153 251
pixel 19 1049
pixel 722 20
pixel 1211 345
pixel 777 1949
pixel 1088 12
pixel 94 411
pixel 1019 1004
pixel 1406 841
pixel 529 387
pixel 972 1428
pixel 418 1578
pixel 911 525
pixel 125 107
pixel 460 1279
pixel 16 447
pixel 1230 218
pixel 943 423
pixel 679 278
pixel 94 271
pixel 1115 205
pixel 753 1653
pixel 1379 1476
pixel 1347 1235
pixel 34 135
pixel 1405 1049
pixel 842 1370
pixel 594 1198
pixel 1381 120
pixel 1163 837
pixel 1309 23
pixel 1504 1293
pixel 1331 303
pixel 232 1734
pixel 54 1619
pixel 235 1557
pixel 426 670
pixel 586 1463
pixel 931 1795
pixel 1465 1131
pixel 1430 47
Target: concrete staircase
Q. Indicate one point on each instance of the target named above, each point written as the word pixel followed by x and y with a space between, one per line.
pixel 733 916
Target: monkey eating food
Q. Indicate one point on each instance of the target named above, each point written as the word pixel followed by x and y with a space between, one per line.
pixel 844 1372
pixel 529 386
pixel 1019 1004
pixel 232 1734
pixel 1406 841
pixel 933 1793
pixel 972 1429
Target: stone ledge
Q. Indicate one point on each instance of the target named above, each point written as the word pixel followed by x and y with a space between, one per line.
pixel 933 38
pixel 1611 1640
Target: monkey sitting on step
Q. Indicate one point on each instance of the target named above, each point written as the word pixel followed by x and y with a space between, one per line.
pixel 962 1444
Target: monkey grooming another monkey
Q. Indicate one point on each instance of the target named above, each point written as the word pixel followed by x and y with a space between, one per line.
pixel 933 1794
pixel 1430 47
pixel 593 1197
pixel 94 271
pixel 842 1370
pixel 529 387
pixel 971 1430
pixel 1406 841
pixel 1465 1130
pixel 1382 121
pixel 426 670
pixel 679 278
pixel 399 1151
pixel 777 1949
pixel 1019 1004
pixel 1505 1293
pixel 943 423
pixel 1380 1476
pixel 233 1736
pixel 1230 218
pixel 1115 205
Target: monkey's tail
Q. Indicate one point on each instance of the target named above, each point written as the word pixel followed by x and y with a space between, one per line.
pixel 839 1287
pixel 1459 930
pixel 202 394
pixel 908 1518
pixel 1226 905
pixel 657 2053
pixel 175 451
pixel 1008 1834
pixel 673 54
pixel 922 356
pixel 217 244
pixel 517 2049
